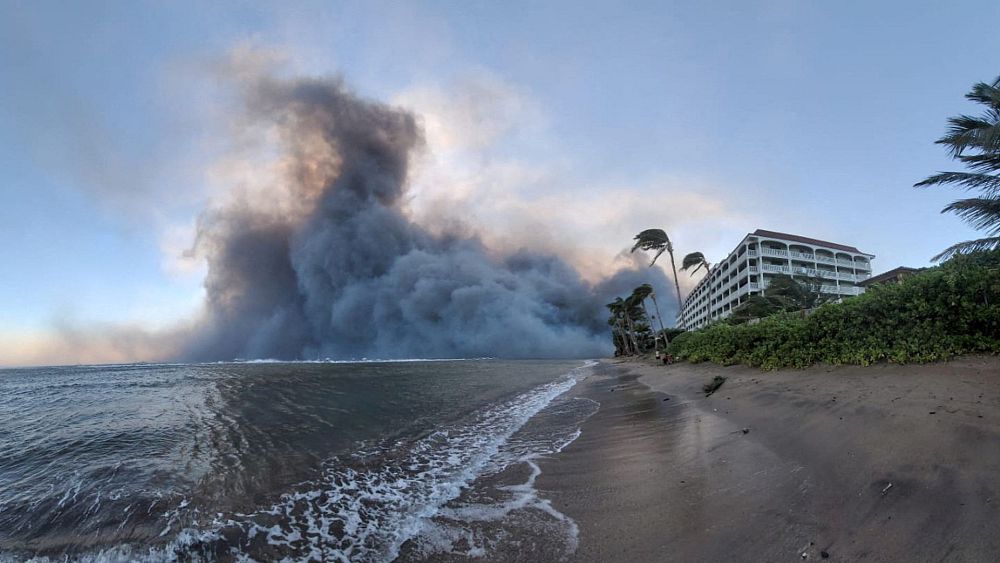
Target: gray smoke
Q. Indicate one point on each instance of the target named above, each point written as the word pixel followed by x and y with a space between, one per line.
pixel 335 268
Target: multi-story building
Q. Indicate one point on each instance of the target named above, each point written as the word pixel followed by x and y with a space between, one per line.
pixel 759 257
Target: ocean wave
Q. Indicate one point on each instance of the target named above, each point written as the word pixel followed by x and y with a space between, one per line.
pixel 366 506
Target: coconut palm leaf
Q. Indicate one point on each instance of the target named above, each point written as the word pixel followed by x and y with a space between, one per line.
pixel 969 246
pixel 695 260
pixel 967 132
pixel 979 212
pixel 975 142
pixel 986 183
pixel 652 239
pixel 643 291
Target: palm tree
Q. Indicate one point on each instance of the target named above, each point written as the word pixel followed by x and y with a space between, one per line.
pixel 783 294
pixel 657 239
pixel 975 142
pixel 695 260
pixel 620 315
pixel 643 292
pixel 633 314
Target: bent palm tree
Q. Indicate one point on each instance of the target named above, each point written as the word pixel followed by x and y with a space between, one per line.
pixel 643 292
pixel 620 315
pixel 657 239
pixel 975 142
pixel 695 261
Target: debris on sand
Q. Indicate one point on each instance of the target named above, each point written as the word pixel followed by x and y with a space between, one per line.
pixel 713 386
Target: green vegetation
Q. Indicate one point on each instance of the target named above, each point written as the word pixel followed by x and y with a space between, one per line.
pixel 975 142
pixel 631 329
pixel 941 312
pixel 784 294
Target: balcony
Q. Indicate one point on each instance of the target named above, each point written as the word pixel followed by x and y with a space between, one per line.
pixel 801 256
pixel 774 252
pixel 842 290
pixel 775 269
pixel 825 259
pixel 752 253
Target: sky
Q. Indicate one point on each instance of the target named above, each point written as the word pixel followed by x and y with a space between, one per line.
pixel 562 126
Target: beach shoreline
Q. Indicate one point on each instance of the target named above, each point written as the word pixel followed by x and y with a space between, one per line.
pixel 845 463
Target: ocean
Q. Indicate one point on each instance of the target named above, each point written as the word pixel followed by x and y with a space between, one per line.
pixel 296 461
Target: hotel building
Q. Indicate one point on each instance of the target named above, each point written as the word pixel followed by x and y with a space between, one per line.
pixel 759 257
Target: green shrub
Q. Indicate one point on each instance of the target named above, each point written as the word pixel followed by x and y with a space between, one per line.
pixel 944 311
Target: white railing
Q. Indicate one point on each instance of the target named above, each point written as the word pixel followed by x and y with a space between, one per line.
pixel 753 286
pixel 802 256
pixel 753 269
pixel 775 268
pixel 774 252
pixel 753 253
pixel 862 266
pixel 827 259
pixel 842 290
pixel 828 274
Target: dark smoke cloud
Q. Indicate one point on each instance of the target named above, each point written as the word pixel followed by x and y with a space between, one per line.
pixel 342 272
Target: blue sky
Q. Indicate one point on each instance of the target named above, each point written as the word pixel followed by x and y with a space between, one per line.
pixel 592 120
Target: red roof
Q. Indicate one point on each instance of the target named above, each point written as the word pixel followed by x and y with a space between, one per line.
pixel 806 240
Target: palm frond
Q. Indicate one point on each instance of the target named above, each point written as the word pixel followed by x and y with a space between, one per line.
pixel 694 260
pixel 983 163
pixel 966 131
pixel 987 183
pixel 643 291
pixel 967 247
pixel 986 94
pixel 979 212
pixel 652 239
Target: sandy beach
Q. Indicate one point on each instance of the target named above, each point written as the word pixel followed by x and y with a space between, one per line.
pixel 880 463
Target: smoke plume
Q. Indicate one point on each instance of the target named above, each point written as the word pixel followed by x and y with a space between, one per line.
pixel 326 262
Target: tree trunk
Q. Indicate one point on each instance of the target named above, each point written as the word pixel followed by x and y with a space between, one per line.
pixel 631 326
pixel 680 303
pixel 623 337
pixel 663 330
pixel 650 321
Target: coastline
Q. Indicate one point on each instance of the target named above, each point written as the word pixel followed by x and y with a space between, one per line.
pixel 846 463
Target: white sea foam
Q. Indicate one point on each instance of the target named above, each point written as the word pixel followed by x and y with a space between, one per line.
pixel 459 528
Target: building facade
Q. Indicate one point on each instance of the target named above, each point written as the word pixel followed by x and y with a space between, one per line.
pixel 896 275
pixel 759 257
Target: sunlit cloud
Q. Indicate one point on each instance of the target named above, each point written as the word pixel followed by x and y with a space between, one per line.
pixel 489 163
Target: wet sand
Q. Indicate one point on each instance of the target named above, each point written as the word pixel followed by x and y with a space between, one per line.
pixel 880 463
